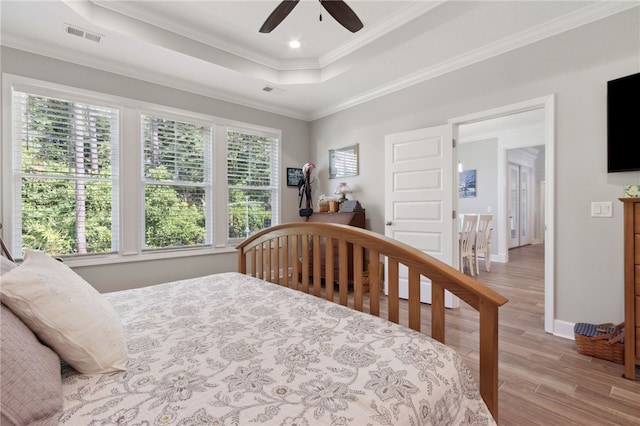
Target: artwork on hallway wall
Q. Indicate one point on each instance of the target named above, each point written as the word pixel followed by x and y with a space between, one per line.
pixel 467 184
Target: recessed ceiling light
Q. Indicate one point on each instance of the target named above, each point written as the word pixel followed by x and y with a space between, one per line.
pixel 295 44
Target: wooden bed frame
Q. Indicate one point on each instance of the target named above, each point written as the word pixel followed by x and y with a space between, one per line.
pixel 298 248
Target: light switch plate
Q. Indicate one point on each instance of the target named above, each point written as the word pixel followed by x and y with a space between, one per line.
pixel 601 209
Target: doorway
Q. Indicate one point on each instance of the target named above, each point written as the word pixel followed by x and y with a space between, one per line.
pixel 545 108
pixel 524 208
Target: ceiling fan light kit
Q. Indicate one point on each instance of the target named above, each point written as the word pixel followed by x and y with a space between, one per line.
pixel 340 11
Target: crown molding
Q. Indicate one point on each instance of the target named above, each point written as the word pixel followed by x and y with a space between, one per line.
pixel 554 27
pixel 126 70
pixel 557 26
pixel 365 37
pixel 370 35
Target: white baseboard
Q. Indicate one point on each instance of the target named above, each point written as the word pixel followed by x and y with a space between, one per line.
pixel 563 329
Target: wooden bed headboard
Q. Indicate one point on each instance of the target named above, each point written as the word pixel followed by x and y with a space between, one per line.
pixel 296 250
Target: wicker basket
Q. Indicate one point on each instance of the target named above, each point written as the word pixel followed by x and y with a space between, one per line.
pixel 604 341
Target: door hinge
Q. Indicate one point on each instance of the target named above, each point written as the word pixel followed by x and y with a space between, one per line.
pixel 453 143
pixel 454 214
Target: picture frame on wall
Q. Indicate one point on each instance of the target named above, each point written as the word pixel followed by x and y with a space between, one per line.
pixel 293 176
pixel 343 162
pixel 467 184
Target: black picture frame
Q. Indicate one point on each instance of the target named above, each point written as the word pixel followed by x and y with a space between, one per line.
pixel 293 176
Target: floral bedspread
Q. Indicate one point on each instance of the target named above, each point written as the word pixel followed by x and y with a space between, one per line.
pixel 229 349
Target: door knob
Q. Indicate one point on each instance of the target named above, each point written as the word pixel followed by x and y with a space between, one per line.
pixel 388 223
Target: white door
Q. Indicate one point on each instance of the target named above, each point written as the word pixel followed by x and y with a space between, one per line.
pixel 519 206
pixel 419 179
pixel 514 205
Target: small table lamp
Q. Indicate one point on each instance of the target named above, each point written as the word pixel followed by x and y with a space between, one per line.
pixel 342 190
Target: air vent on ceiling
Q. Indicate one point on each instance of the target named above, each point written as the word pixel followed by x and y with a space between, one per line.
pixel 270 89
pixel 93 37
pixel 75 31
pixel 79 32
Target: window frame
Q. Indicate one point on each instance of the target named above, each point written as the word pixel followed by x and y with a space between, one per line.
pixel 276 182
pixel 130 234
pixel 16 156
pixel 207 184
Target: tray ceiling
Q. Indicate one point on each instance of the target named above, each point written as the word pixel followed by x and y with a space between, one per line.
pixel 214 47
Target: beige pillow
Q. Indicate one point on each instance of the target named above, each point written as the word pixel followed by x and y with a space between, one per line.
pixel 66 313
pixel 6 265
pixel 30 378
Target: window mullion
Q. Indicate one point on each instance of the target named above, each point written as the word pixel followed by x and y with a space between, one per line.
pixel 131 184
pixel 220 191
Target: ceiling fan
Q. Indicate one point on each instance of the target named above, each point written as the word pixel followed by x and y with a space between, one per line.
pixel 340 11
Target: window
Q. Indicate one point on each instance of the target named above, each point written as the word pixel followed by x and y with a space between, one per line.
pixel 85 173
pixel 177 182
pixel 65 156
pixel 252 176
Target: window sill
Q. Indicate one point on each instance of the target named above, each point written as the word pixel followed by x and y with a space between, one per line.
pixel 144 256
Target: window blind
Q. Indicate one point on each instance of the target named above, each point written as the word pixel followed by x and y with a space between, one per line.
pixel 177 176
pixel 253 180
pixel 65 153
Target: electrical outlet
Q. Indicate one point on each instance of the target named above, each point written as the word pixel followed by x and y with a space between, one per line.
pixel 601 209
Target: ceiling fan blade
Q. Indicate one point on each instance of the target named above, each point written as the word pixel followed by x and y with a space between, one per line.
pixel 342 13
pixel 279 13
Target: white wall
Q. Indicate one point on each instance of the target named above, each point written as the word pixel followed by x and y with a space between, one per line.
pixel 482 156
pixel 117 276
pixel 574 66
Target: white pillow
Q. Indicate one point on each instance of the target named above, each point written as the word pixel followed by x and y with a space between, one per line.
pixel 66 313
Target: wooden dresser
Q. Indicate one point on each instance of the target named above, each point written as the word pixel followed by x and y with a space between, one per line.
pixel 631 286
pixel 356 219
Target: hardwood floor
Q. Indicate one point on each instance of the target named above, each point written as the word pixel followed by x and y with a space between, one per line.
pixel 543 379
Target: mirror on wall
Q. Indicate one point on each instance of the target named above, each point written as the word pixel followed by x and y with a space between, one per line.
pixel 343 162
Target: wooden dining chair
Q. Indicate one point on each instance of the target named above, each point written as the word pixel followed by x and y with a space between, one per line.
pixel 482 246
pixel 467 240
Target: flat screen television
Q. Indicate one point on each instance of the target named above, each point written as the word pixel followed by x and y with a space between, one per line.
pixel 623 124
